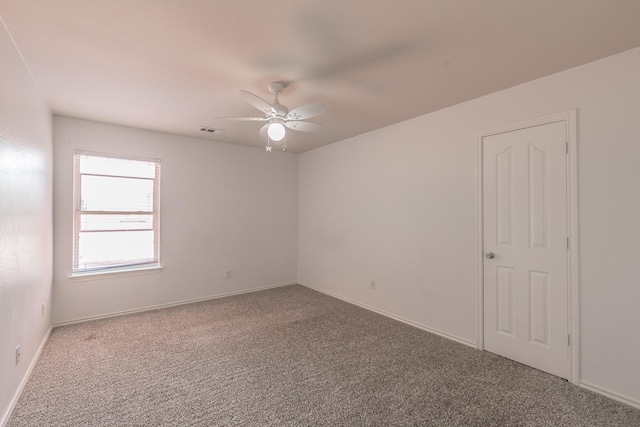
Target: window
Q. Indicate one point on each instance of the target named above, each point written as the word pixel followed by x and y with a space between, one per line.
pixel 116 218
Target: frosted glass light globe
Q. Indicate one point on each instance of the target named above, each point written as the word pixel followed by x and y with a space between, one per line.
pixel 276 131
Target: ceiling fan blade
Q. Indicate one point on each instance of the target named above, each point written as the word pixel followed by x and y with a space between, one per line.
pixel 303 126
pixel 257 102
pixel 307 111
pixel 243 119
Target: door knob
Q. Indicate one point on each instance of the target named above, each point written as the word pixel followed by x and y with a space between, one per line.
pixel 490 255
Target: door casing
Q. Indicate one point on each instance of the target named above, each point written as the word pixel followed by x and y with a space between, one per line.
pixel 569 118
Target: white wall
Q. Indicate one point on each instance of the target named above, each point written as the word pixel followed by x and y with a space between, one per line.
pixel 222 207
pixel 399 206
pixel 25 220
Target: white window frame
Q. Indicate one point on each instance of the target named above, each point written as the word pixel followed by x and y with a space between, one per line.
pixel 77 270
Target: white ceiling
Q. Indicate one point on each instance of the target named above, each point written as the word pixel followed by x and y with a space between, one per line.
pixel 176 65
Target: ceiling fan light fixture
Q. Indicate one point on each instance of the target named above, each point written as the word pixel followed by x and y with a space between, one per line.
pixel 276 131
pixel 277 117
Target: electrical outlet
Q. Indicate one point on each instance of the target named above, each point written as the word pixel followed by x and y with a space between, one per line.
pixel 228 275
pixel 42 309
pixel 373 284
pixel 17 355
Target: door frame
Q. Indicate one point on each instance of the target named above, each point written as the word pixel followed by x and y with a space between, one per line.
pixel 569 117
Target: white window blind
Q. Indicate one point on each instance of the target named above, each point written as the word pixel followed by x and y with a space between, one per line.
pixel 116 216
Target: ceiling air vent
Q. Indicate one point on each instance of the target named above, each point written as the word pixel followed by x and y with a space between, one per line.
pixel 211 131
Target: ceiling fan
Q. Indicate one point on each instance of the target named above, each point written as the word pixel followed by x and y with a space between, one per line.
pixel 278 116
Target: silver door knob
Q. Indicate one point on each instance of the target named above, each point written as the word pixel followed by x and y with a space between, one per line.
pixel 490 255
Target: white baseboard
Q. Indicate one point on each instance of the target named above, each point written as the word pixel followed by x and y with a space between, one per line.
pixel 25 379
pixel 173 304
pixel 635 403
pixel 394 316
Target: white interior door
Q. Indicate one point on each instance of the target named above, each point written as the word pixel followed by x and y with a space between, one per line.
pixel 525 244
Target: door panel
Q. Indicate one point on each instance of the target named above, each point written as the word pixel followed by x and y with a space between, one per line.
pixel 504 208
pixel 539 307
pixel 538 196
pixel 504 303
pixel 525 225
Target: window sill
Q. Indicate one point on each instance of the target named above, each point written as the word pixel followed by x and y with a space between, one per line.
pixel 101 275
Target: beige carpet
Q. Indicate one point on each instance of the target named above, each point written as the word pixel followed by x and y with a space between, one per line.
pixel 288 357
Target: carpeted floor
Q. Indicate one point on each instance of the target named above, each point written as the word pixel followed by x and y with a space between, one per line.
pixel 288 356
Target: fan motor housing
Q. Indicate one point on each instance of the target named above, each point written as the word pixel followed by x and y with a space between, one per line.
pixel 281 110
